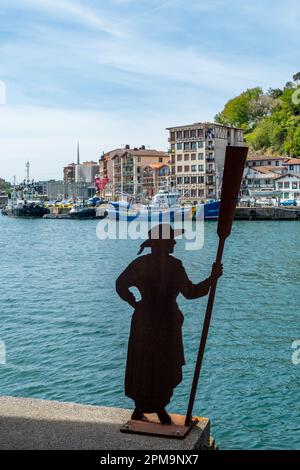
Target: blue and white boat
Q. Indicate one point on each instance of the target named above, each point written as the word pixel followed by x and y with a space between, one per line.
pixel 164 207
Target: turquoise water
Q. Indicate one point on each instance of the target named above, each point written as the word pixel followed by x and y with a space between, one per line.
pixel 66 330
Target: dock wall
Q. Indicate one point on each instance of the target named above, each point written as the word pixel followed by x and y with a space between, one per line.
pixel 51 425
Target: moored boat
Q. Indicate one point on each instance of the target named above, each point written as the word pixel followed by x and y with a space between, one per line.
pixel 164 207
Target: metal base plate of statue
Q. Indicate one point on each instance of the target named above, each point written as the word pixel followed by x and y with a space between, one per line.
pixel 153 427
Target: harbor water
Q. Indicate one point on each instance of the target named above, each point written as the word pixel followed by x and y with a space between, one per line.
pixel 66 331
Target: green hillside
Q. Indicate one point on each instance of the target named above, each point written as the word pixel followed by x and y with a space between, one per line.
pixel 271 119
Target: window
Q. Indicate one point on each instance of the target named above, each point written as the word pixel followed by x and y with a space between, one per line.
pixel 179 169
pixel 194 192
pixel 179 180
pixel 201 156
pixel 173 159
pixel 280 185
pixel 210 167
pixel 193 133
pixel 139 159
pixel 172 146
pixel 200 179
pixel 291 167
pixel 160 159
pixel 186 168
pixel 194 179
pixel 286 195
pixel 193 145
pixel 276 163
pixel 294 185
pixel 186 134
pixel 186 157
pixel 186 180
pixel 200 167
pixel 200 145
pixel 138 169
pixel 193 156
pixel 193 168
pixel 186 146
pixel 172 136
pixel 179 157
pixel 179 134
pixel 179 146
pixel 200 133
pixel 286 185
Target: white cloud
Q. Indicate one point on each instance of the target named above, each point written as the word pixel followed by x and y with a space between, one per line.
pixel 71 10
pixel 47 137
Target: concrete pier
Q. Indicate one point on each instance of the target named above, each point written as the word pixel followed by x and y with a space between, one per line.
pixel 43 424
pixel 267 213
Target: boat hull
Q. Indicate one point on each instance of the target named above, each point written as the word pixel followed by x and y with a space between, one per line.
pixel 27 211
pixel 84 213
pixel 211 210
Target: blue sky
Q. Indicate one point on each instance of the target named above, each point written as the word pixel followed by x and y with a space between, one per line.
pixel 120 71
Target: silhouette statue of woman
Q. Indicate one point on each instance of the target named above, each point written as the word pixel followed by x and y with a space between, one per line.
pixel 155 350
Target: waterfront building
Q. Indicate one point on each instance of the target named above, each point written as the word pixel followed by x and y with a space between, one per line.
pixel 289 184
pixel 260 178
pixel 3 200
pixel 122 171
pixel 105 176
pixel 58 190
pixel 86 172
pixel 69 173
pixel 155 177
pixel 128 169
pixel 292 165
pixel 197 158
pixel 265 160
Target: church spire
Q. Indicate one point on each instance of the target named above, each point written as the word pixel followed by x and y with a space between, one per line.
pixel 78 155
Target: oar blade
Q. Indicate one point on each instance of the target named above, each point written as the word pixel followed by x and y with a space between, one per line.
pixel 235 160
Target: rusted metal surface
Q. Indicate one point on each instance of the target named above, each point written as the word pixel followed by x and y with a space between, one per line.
pixel 176 430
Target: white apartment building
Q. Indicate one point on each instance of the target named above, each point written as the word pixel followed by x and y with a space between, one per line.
pixel 86 172
pixel 259 178
pixel 292 164
pixel 289 184
pixel 197 158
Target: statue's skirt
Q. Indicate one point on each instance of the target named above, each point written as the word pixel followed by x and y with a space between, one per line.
pixel 155 356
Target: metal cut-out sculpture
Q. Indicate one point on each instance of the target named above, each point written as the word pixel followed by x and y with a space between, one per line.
pixel 155 350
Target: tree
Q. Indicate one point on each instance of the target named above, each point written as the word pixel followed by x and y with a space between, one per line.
pixel 4 186
pixel 275 93
pixel 241 110
pixel 296 78
pixel 271 120
pixel 289 85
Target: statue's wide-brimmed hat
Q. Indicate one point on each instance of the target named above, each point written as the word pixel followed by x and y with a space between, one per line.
pixel 159 234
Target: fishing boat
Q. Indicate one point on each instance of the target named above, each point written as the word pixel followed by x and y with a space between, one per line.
pixel 211 210
pixel 164 207
pixel 25 201
pixel 87 210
